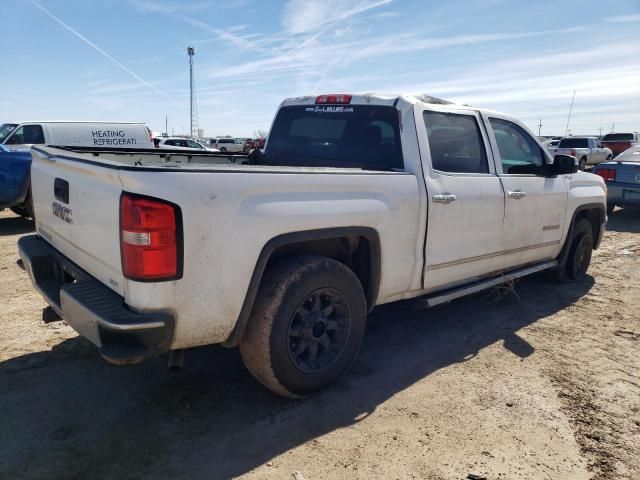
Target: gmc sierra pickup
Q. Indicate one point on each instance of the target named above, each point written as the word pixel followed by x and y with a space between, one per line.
pixel 356 201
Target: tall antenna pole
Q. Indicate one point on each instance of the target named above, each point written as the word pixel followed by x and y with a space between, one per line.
pixel 166 125
pixel 539 126
pixel 569 117
pixel 191 52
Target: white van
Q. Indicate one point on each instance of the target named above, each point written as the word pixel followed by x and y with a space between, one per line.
pixel 86 134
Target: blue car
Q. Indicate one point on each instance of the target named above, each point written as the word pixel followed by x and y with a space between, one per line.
pixel 15 166
pixel 622 176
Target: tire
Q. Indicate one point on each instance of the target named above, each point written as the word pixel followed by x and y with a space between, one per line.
pixel 223 149
pixel 583 164
pixel 580 252
pixel 610 207
pixel 25 209
pixel 301 300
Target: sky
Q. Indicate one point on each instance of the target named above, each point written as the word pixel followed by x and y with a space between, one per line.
pixel 126 60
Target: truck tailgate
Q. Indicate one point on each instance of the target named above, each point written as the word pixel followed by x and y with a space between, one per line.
pixel 76 208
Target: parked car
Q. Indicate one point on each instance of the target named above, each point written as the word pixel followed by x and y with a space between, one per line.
pixel 357 201
pixel 181 143
pixel 619 142
pixel 96 134
pixel 14 181
pixel 231 145
pixel 587 150
pixel 623 179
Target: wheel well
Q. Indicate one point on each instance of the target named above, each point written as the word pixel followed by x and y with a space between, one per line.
pixel 355 251
pixel 356 247
pixel 594 216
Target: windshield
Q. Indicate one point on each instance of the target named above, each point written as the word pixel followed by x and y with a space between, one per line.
pixel 616 137
pixel 353 136
pixel 5 130
pixel 574 143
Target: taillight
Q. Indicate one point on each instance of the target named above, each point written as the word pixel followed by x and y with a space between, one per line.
pixel 573 153
pixel 149 236
pixel 609 174
pixel 334 99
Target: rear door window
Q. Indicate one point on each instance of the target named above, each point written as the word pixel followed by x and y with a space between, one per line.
pixel 350 136
pixel 455 143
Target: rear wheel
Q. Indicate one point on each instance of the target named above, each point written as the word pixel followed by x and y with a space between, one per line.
pixel 306 327
pixel 583 164
pixel 26 209
pixel 223 149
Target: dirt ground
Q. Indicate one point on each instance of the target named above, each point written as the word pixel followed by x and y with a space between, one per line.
pixel 546 386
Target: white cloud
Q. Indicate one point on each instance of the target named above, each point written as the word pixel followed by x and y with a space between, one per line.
pixel 100 50
pixel 171 7
pixel 302 16
pixel 624 18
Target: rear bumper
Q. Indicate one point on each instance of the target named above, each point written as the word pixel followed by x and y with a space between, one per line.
pixel 623 194
pixel 93 310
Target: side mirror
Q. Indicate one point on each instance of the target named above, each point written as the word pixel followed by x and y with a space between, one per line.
pixel 563 165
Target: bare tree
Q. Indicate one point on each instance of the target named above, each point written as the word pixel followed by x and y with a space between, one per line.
pixel 260 134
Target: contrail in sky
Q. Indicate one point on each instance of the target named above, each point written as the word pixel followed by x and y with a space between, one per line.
pixel 95 47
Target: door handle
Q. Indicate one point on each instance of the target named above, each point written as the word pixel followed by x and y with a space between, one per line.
pixel 446 198
pixel 518 194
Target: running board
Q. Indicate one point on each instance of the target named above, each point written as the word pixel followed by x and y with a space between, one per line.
pixel 457 292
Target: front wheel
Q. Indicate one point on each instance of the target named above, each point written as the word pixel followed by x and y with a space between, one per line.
pixel 579 257
pixel 307 325
pixel 223 149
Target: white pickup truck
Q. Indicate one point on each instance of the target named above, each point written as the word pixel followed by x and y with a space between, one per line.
pixel 356 201
pixel 588 150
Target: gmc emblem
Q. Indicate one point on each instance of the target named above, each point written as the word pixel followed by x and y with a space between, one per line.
pixel 63 213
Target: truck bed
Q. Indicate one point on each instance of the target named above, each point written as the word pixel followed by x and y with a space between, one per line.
pixel 146 157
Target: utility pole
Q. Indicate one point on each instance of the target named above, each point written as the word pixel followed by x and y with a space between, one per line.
pixel 539 126
pixel 193 120
pixel 166 125
pixel 566 133
pixel 613 127
pixel 600 131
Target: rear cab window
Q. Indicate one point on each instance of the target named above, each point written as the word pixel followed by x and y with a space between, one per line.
pixel 618 137
pixel 574 143
pixel 350 136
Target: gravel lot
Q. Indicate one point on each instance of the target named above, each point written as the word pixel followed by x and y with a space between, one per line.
pixel 544 386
